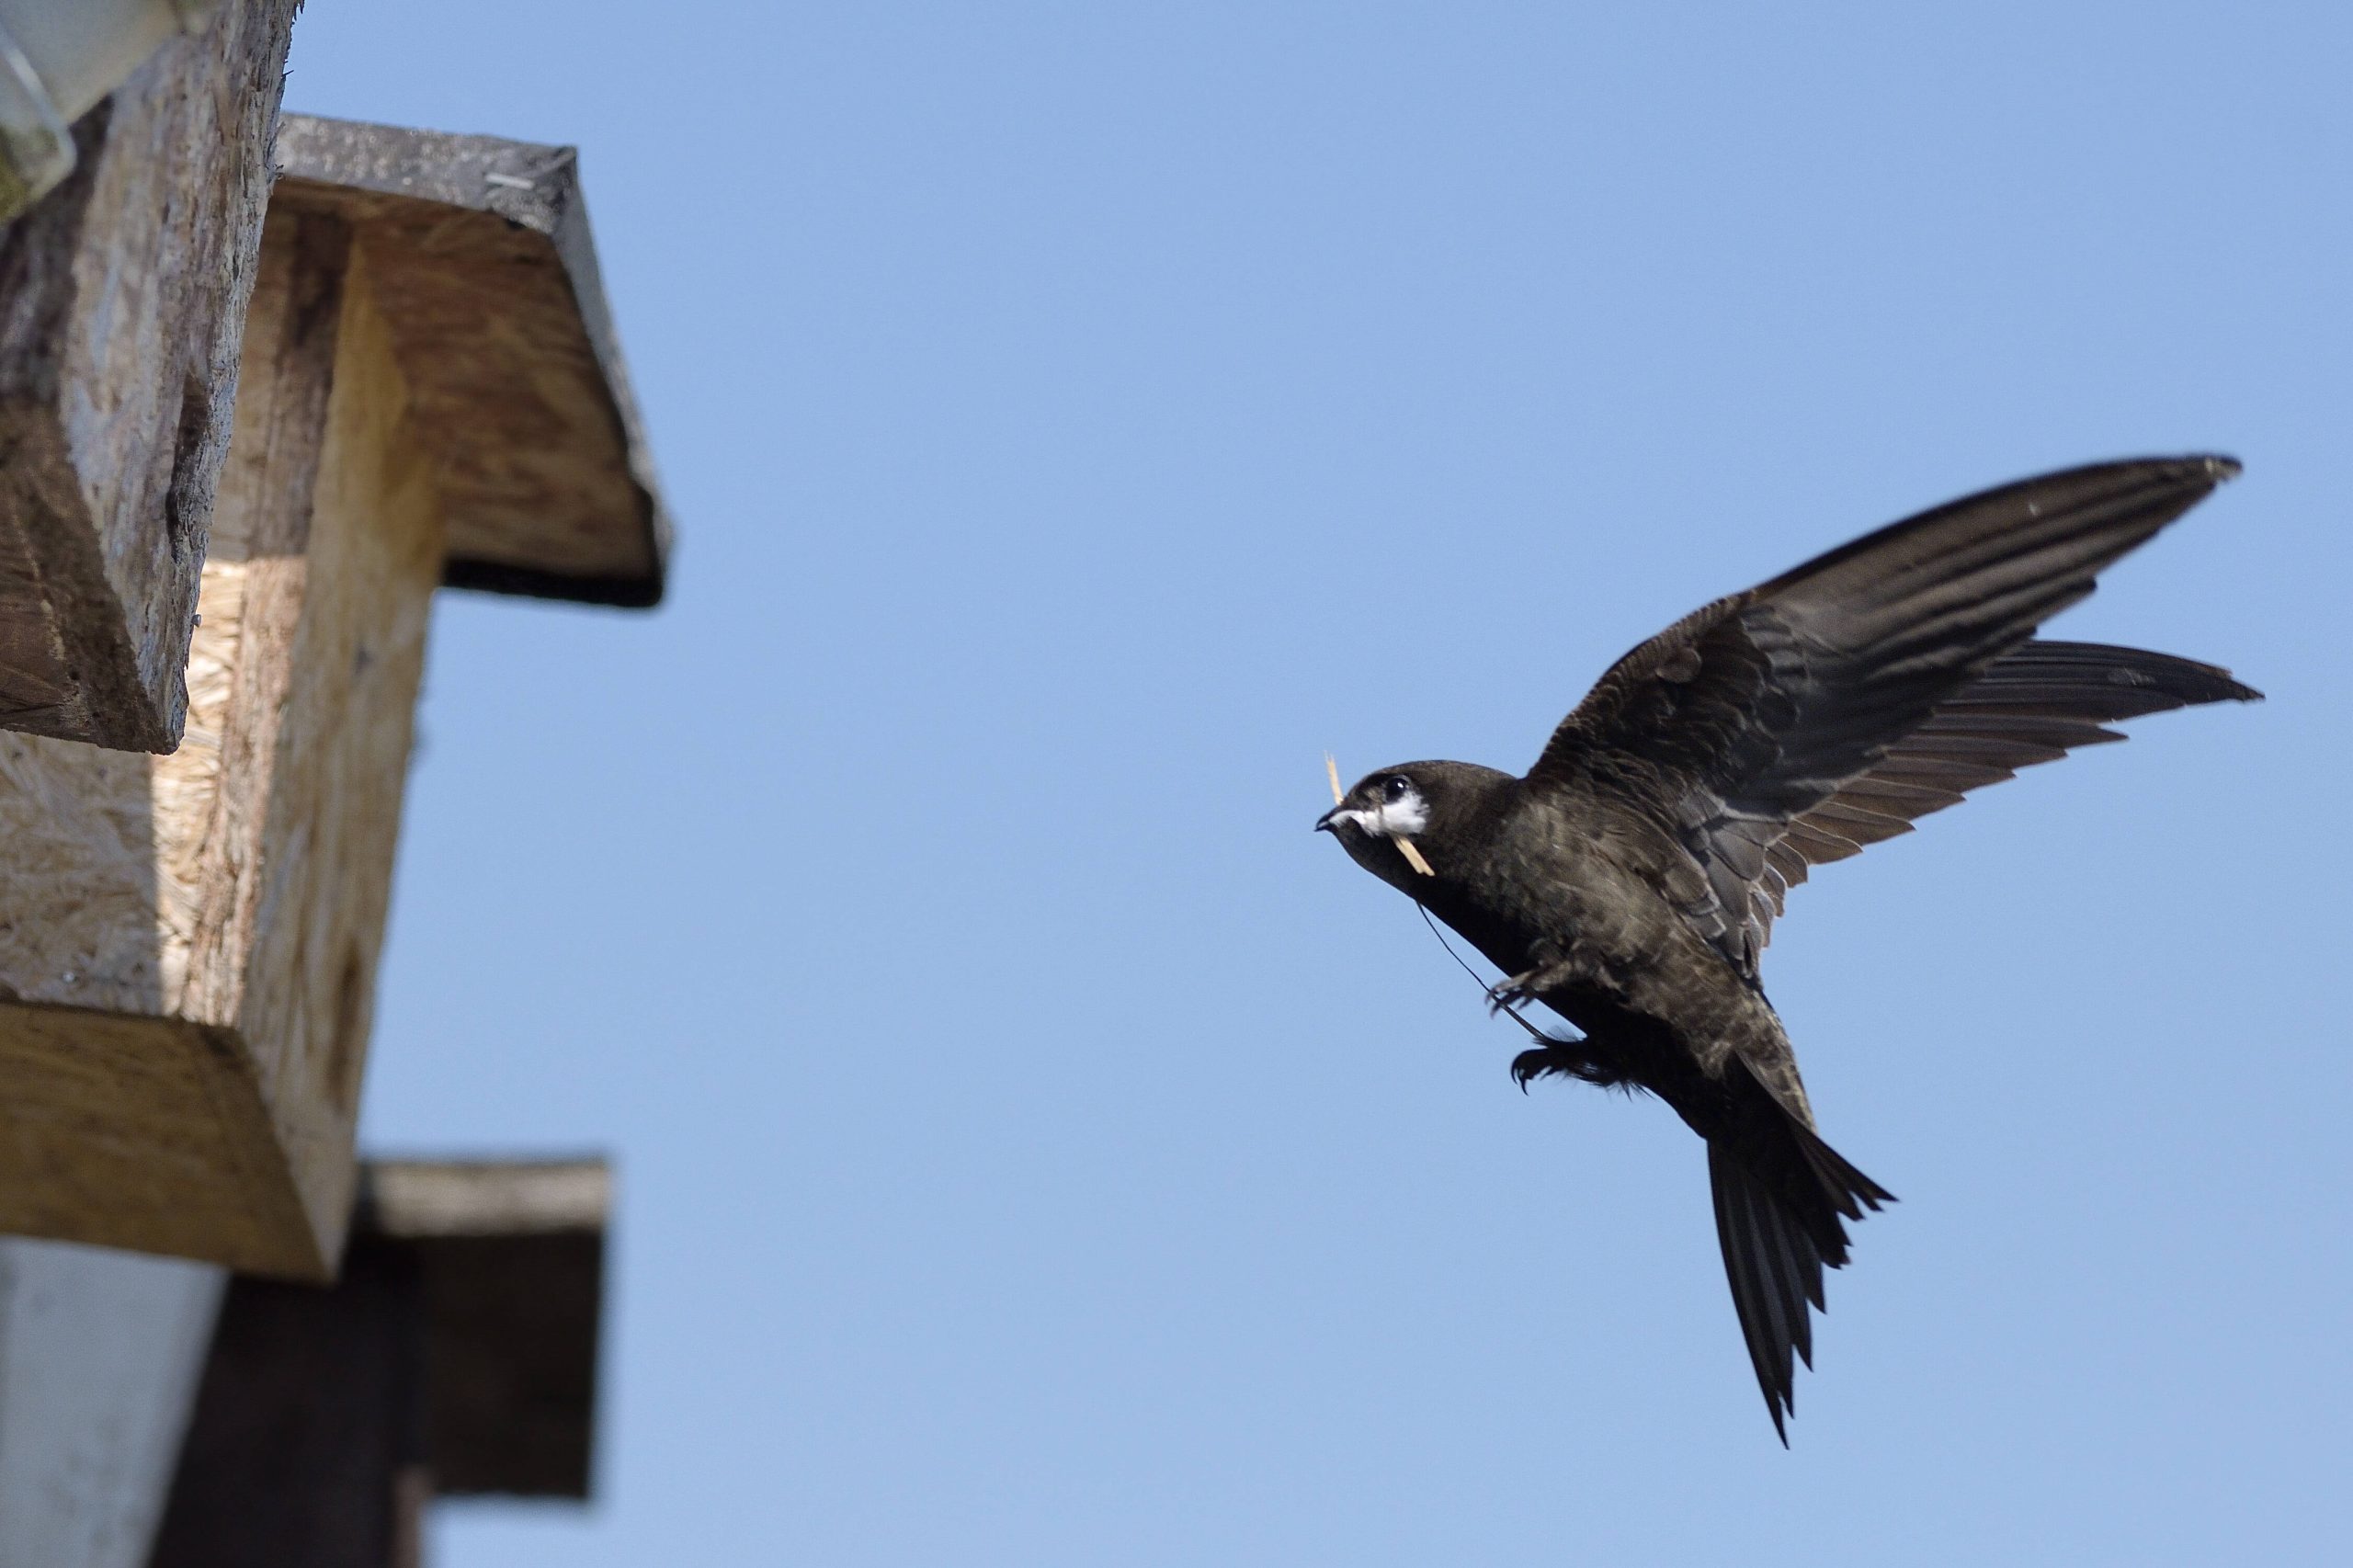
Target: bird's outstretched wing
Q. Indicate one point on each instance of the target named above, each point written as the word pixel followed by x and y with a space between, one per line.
pixel 1812 715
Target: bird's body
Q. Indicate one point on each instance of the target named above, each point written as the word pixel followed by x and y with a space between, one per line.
pixel 1582 894
pixel 1628 881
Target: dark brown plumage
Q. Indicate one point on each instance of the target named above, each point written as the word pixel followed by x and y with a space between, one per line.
pixel 1629 882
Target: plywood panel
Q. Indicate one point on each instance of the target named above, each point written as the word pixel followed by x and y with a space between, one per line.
pixel 191 945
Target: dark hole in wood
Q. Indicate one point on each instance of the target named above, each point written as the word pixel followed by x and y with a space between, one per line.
pixel 343 1056
pixel 187 499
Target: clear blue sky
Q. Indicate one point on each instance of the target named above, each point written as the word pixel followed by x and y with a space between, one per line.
pixel 1037 1148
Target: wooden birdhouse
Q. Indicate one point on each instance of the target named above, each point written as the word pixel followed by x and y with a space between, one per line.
pixel 429 395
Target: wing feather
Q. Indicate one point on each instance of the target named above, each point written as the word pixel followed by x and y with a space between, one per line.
pixel 1832 707
pixel 2014 716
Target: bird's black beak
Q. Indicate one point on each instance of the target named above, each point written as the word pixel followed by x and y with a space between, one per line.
pixel 1324 822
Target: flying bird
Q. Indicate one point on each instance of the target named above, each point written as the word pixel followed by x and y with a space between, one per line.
pixel 1629 881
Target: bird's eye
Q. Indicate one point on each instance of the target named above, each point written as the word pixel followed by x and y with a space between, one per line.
pixel 1395 789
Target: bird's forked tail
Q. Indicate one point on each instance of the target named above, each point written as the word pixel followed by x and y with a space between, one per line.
pixel 1782 1197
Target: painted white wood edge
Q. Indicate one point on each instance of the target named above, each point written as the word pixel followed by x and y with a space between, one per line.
pixel 100 1354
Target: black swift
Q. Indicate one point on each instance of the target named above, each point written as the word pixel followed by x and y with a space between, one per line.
pixel 1630 880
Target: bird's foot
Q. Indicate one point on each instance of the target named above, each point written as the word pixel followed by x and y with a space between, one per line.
pixel 1534 1063
pixel 1511 991
pixel 1578 1059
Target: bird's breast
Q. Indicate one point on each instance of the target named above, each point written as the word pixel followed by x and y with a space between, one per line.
pixel 1575 880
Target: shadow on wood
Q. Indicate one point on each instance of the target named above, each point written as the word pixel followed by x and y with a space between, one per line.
pixel 458 1355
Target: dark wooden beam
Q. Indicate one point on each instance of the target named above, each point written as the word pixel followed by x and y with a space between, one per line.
pixel 456 1355
pixel 307 1444
pixel 512 1260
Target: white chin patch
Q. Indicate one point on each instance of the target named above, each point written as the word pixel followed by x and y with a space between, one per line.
pixel 1405 816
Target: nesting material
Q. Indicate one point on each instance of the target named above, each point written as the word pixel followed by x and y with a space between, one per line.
pixel 1404 844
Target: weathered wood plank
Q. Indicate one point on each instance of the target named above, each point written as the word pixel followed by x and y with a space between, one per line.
pixel 511 1258
pixel 491 281
pixel 190 950
pixel 122 302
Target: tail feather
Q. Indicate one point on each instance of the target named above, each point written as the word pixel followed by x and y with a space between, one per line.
pixel 1779 1221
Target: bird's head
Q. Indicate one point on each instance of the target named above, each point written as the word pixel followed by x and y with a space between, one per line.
pixel 1405 823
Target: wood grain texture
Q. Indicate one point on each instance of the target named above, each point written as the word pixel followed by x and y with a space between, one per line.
pixel 77 878
pixel 143 1132
pixel 191 947
pixel 347 708
pixel 489 276
pixel 122 304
